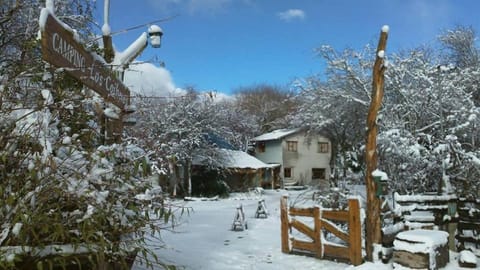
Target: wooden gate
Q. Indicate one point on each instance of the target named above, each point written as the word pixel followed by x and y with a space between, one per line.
pixel 322 222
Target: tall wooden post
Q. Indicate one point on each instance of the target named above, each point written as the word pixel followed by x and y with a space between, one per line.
pixel 355 232
pixel 372 224
pixel 317 232
pixel 284 224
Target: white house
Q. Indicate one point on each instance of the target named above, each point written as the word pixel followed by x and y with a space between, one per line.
pixel 304 158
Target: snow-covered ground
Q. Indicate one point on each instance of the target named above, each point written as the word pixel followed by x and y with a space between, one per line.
pixel 204 239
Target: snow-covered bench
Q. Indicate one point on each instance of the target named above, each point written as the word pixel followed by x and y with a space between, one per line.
pixel 421 249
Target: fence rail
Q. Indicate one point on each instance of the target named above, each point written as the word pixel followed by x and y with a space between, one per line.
pixel 323 222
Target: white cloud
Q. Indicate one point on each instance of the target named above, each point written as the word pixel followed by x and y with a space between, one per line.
pixel 150 80
pixel 292 14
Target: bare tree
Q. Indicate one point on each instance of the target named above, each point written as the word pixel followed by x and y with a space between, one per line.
pixel 267 103
pixel 460 45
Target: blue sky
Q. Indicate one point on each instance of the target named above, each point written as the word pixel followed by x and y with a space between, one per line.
pixel 225 44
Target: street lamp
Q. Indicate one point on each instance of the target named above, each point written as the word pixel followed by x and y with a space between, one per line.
pixel 154 32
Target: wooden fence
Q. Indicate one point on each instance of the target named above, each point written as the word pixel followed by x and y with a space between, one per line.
pixel 425 211
pixel 468 230
pixel 459 217
pixel 322 223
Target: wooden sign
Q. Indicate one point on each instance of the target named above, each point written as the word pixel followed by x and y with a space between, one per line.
pixel 60 49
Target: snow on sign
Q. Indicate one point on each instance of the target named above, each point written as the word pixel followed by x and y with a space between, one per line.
pixel 60 49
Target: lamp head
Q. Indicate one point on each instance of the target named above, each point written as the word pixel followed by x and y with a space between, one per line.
pixel 155 33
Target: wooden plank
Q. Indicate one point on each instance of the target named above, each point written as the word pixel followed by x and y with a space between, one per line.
pixel 329 226
pixel 317 233
pixel 467 214
pixel 426 198
pixel 305 212
pixel 303 245
pixel 465 225
pixel 355 232
pixel 284 224
pixel 413 260
pixel 469 239
pixel 423 260
pixel 336 251
pixel 338 215
pixel 301 227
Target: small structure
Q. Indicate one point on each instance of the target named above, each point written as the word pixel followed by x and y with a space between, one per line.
pixel 242 170
pixel 262 211
pixel 421 249
pixel 239 221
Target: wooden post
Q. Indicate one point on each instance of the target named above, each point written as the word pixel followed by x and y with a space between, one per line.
pixel 284 224
pixel 318 231
pixel 355 232
pixel 373 226
pixel 109 139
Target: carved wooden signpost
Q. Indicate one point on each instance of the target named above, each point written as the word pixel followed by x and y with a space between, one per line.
pixel 60 49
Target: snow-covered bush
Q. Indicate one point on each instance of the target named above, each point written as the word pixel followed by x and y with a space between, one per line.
pixel 61 188
pixel 63 195
pixel 407 162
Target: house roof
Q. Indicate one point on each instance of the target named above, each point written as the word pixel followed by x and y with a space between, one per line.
pixel 236 159
pixel 276 134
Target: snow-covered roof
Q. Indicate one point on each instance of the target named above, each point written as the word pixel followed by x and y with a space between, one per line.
pixel 236 159
pixel 240 159
pixel 276 134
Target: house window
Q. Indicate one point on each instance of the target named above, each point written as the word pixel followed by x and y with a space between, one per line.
pixel 261 147
pixel 291 146
pixel 287 172
pixel 318 173
pixel 322 147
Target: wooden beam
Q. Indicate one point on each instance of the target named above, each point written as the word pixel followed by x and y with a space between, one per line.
pixel 336 251
pixel 355 232
pixel 317 233
pixel 338 215
pixel 303 245
pixel 284 224
pixel 329 226
pixel 305 212
pixel 301 227
pixel 108 52
pixel 373 226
